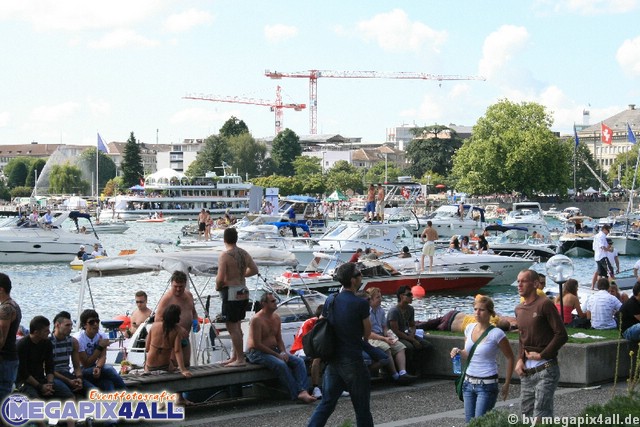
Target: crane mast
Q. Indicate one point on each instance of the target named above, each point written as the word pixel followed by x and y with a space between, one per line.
pixel 314 75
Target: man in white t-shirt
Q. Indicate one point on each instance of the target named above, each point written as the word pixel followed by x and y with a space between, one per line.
pixel 614 259
pixel 602 306
pixel 600 249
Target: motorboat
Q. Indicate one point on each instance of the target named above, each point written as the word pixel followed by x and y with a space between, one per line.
pixel 553 212
pixel 111 227
pixel 452 220
pixel 529 215
pixel 24 242
pixel 211 343
pixel 517 241
pixel 577 238
pixel 308 211
pixel 625 232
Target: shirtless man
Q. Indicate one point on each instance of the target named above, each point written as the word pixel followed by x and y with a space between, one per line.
pixel 370 208
pixel 234 265
pixel 141 313
pixel 183 299
pixel 429 248
pixel 266 348
pixel 380 203
pixel 10 317
pixel 202 224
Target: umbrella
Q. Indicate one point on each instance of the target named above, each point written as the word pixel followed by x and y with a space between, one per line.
pixel 441 186
pixel 336 196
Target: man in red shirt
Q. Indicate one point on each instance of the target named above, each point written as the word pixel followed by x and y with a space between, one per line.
pixel 356 256
pixel 297 350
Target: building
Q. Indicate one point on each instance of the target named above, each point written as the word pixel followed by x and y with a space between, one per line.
pixel 180 155
pixel 605 154
pixel 8 152
pixel 148 153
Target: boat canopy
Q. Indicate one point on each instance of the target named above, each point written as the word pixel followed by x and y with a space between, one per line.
pixel 303 199
pixel 283 224
pixel 504 228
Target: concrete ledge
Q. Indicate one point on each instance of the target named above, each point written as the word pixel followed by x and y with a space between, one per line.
pixel 581 365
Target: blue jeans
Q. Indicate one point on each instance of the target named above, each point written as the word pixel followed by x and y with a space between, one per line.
pixel 292 374
pixel 108 380
pixel 352 376
pixel 537 390
pixel 61 385
pixel 478 399
pixel 8 373
pixel 632 333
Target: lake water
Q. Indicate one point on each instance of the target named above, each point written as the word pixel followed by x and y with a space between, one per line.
pixel 46 289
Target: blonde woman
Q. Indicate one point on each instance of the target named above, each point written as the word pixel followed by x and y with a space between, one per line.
pixel 480 388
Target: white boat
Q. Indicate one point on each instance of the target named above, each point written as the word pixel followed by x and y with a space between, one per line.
pixel 448 220
pixel 528 215
pixel 27 243
pixel 111 227
pixel 308 211
pixel 176 195
pixel 517 241
pixel 210 344
pixel 577 239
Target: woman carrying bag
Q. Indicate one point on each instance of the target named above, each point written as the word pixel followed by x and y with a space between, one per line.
pixel 482 342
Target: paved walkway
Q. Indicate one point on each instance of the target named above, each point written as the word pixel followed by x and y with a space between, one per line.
pixel 426 403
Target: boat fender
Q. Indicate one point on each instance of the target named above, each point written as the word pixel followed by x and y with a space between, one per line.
pixel 418 291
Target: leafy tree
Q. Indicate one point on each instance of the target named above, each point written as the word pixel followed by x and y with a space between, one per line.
pixel 16 171
pixel 626 162
pixel 213 153
pixel 268 167
pixel 513 149
pixel 584 178
pixel 286 147
pixel 376 173
pixel 67 179
pixel 112 186
pixel 233 127
pixel 312 184
pixel 106 166
pixel 35 165
pixel 21 191
pixel 248 154
pixel 305 166
pixel 131 165
pixel 4 191
pixel 430 150
pixel 344 176
pixel 288 185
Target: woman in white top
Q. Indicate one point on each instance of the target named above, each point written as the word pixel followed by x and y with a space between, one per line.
pixel 480 388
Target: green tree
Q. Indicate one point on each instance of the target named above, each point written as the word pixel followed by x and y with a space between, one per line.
pixel 248 154
pixel 432 149
pixel 214 151
pixel 513 149
pixel 36 165
pixel 233 127
pixel 344 176
pixel 113 187
pixel 16 171
pixel 131 165
pixel 305 166
pixel 286 147
pixel 287 185
pixel 4 191
pixel 626 162
pixel 376 173
pixel 21 191
pixel 67 179
pixel 584 177
pixel 106 166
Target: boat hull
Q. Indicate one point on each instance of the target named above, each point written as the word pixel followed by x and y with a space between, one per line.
pixel 576 248
pixel 45 249
pixel 626 245
pixel 430 282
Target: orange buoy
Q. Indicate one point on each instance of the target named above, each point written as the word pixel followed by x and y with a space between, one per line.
pixel 126 321
pixel 418 291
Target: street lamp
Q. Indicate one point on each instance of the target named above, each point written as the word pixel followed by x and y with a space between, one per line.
pixel 559 269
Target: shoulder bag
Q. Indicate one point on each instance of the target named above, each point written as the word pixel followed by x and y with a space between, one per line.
pixel 460 379
pixel 320 341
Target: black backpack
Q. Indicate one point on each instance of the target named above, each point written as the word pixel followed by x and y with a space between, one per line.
pixel 320 342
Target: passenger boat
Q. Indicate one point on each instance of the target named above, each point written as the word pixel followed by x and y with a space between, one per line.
pixel 23 242
pixel 182 197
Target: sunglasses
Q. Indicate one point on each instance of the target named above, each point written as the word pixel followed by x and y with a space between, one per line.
pixel 93 322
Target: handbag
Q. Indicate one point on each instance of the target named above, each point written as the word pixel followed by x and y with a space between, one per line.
pixel 320 341
pixel 460 380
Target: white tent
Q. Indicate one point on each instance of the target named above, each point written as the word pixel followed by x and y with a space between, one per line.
pixel 590 190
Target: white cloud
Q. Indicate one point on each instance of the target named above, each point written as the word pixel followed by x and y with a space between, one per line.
pixel 186 20
pixel 395 32
pixel 628 56
pixel 54 113
pixel 78 15
pixel 4 118
pixel 121 38
pixel 99 108
pixel 500 47
pixel 201 116
pixel 588 7
pixel 279 32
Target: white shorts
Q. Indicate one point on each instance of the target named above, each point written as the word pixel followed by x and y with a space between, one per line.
pixel 429 248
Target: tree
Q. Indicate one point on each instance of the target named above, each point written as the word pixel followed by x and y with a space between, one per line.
pixel 248 155
pixel 305 166
pixel 233 127
pixel 112 186
pixel 376 173
pixel 215 150
pixel 16 171
pixel 131 165
pixel 286 147
pixel 432 149
pixel 67 179
pixel 4 191
pixel 35 167
pixel 344 176
pixel 287 185
pixel 21 191
pixel 626 162
pixel 513 149
pixel 106 166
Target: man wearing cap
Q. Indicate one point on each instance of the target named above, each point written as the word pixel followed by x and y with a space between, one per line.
pixel 600 250
pixel 82 254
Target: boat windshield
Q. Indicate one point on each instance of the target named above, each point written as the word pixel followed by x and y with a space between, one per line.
pixel 446 212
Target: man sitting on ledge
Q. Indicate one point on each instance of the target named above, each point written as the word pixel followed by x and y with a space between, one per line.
pixel 266 348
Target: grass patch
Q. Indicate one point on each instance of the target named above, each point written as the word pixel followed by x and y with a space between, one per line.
pixel 609 335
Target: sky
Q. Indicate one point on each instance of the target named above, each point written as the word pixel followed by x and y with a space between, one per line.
pixel 73 68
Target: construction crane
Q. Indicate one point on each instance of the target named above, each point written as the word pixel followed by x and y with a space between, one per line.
pixel 314 75
pixel 276 106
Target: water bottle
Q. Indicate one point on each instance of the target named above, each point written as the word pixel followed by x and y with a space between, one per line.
pixel 417 264
pixel 195 325
pixel 457 364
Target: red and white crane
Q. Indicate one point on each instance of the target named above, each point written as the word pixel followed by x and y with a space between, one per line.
pixel 314 75
pixel 276 106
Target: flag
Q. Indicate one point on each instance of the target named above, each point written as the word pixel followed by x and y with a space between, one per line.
pixel 606 135
pixel 630 136
pixel 101 145
pixel 575 135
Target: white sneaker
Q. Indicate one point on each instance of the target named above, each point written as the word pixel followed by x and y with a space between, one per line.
pixel 317 393
pixel 345 394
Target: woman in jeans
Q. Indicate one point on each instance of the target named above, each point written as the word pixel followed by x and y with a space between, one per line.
pixel 480 388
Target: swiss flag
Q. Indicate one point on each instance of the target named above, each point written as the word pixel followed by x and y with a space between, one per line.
pixel 606 134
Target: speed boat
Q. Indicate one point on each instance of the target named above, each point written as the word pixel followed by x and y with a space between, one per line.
pixel 516 241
